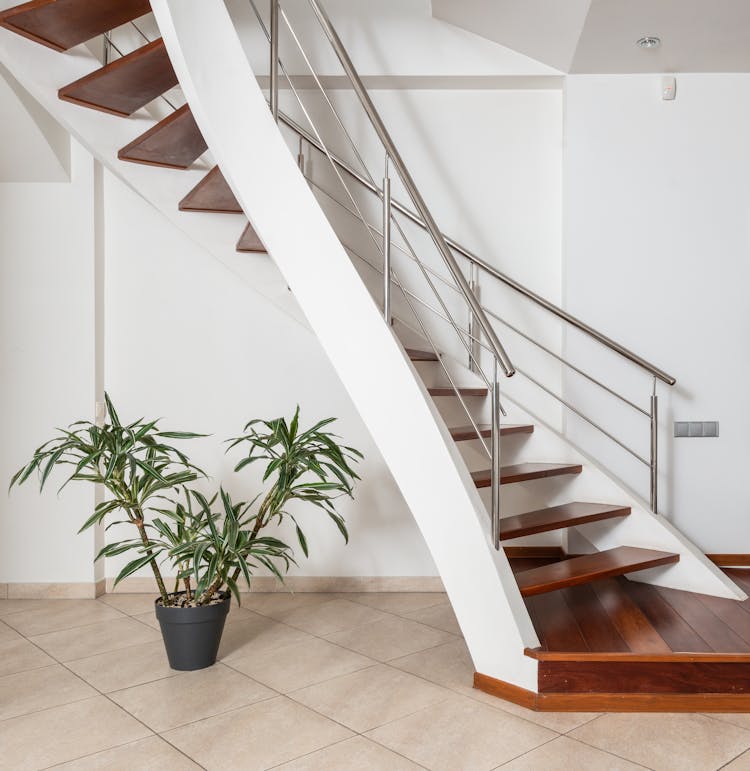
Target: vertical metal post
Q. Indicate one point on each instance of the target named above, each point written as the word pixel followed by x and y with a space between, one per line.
pixel 387 244
pixel 654 450
pixel 107 48
pixel 274 81
pixel 495 442
pixel 301 158
pixel 473 325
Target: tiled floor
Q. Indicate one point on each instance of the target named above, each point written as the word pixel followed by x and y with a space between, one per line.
pixel 305 682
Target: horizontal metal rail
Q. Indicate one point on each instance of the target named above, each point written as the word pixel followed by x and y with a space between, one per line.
pixel 606 341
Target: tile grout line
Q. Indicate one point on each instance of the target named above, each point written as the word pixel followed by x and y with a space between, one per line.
pixel 75 674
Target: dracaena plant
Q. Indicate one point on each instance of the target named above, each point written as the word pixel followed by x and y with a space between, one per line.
pixel 135 465
pixel 308 466
pixel 210 550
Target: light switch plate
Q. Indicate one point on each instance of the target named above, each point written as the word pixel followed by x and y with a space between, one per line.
pixel 696 428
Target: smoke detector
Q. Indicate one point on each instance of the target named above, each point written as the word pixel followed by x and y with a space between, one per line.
pixel 650 41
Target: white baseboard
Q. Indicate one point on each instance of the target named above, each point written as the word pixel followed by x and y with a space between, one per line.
pixel 147 585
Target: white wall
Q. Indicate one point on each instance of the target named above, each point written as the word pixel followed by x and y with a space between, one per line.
pixel 657 205
pixel 219 355
pixel 47 366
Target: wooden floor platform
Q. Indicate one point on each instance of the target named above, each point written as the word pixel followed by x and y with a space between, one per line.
pixel 619 645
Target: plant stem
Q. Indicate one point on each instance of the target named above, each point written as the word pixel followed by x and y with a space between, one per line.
pixel 157 573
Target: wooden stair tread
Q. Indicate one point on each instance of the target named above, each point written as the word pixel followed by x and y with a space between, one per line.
pixel 417 355
pixel 250 242
pixel 522 472
pixel 211 194
pixel 467 433
pixel 126 84
pixel 591 567
pixel 62 24
pixel 558 517
pixel 463 390
pixel 174 142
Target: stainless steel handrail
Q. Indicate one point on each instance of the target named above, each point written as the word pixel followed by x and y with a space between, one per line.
pixel 569 318
pixel 411 188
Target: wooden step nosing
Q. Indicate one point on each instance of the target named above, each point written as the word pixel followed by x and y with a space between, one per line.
pixel 92 106
pixel 562 524
pixel 623 656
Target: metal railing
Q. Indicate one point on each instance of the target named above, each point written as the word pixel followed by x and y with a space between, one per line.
pixel 480 334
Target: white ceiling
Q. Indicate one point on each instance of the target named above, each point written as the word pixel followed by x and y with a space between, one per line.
pixel 598 36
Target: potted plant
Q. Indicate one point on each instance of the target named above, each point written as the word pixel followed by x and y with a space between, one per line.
pixel 208 551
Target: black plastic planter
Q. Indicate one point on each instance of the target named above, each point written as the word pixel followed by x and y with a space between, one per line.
pixel 192 635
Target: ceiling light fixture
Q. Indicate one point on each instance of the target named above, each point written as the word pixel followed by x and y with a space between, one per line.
pixel 650 41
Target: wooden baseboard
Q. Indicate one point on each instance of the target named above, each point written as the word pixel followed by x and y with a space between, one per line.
pixel 612 702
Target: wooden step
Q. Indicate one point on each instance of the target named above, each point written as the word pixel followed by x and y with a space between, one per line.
pixel 558 517
pixel 173 143
pixel 62 24
pixel 250 241
pixel 591 567
pixel 416 355
pixel 127 84
pixel 523 472
pixel 463 390
pixel 211 194
pixel 467 433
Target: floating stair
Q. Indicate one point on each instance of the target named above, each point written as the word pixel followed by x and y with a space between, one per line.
pixel 558 517
pixel 173 143
pixel 463 390
pixel 125 85
pixel 62 24
pixel 250 242
pixel 523 472
pixel 591 567
pixel 467 433
pixel 416 355
pixel 211 194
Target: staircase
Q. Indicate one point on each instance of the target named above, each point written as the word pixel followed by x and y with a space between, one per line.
pixel 511 633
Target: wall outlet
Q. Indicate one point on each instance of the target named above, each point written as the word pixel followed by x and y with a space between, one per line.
pixel 694 428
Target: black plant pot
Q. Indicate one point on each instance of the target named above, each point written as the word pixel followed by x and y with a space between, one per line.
pixel 192 635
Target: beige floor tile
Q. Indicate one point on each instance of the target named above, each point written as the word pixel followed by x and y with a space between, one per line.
pixel 56 615
pixel 132 604
pixel 439 616
pixel 40 689
pixel 19 655
pixel 742 763
pixel 292 667
pixel 149 619
pixel 113 671
pixel 16 606
pixel 399 602
pixel 325 618
pixel 663 741
pixel 256 737
pixel 151 754
pixel 460 734
pixel 450 665
pixel 568 753
pixel 741 719
pixel 355 754
pixel 391 638
pixel 190 696
pixel 371 697
pixel 55 735
pixel 257 635
pixel 8 634
pixel 276 604
pixel 83 641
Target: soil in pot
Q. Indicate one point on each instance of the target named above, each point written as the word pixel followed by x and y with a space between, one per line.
pixel 192 634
